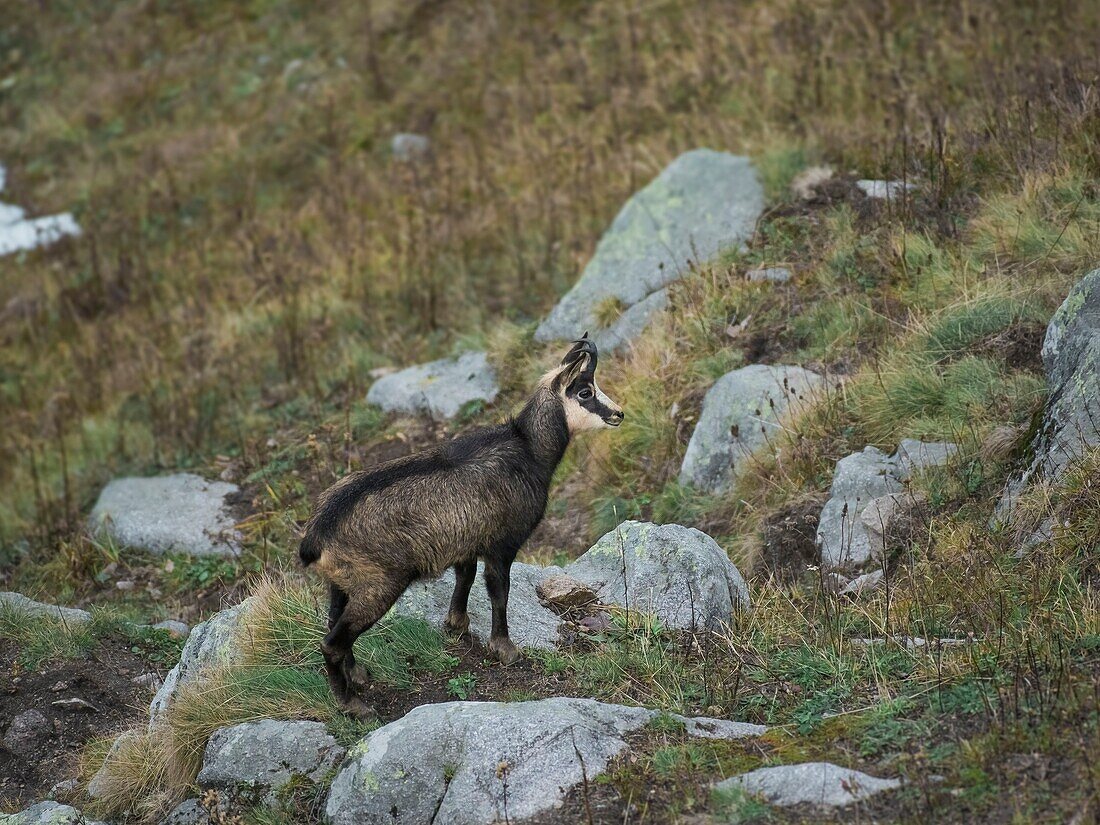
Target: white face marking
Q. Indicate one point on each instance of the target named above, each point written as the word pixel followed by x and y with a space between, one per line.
pixel 578 419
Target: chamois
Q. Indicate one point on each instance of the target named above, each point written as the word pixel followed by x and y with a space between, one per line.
pixel 480 495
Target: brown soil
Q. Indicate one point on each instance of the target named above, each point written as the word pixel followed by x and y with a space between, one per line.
pixel 789 538
pixel 104 680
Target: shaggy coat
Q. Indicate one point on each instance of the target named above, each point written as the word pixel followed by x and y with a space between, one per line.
pixel 478 496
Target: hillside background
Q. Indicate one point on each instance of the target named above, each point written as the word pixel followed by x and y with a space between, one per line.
pixel 252 250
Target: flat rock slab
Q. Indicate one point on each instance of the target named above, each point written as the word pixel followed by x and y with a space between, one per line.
pixel 741 413
pixel 701 204
pixel 867 493
pixel 19 603
pixel 676 573
pixel 475 763
pixel 48 813
pixel 439 388
pixel 1071 360
pixel 251 762
pixel 530 624
pixel 822 784
pixel 181 513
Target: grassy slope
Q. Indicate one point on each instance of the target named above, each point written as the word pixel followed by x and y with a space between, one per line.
pixel 251 251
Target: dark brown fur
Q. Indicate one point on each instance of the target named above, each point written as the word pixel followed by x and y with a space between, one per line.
pixel 478 496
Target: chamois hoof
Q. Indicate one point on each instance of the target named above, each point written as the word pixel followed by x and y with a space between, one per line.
pixel 457 625
pixel 355 707
pixel 504 650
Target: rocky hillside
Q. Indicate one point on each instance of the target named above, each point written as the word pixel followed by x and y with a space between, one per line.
pixel 843 267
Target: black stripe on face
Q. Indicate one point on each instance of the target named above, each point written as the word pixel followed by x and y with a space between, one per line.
pixel 580 388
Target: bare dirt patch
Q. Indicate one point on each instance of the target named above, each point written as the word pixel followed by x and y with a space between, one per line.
pixel 104 680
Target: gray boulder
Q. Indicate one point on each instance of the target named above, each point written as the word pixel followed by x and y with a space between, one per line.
pixel 18 603
pixel 867 493
pixel 439 388
pixel 530 624
pixel 181 513
pixel 1071 420
pixel 702 203
pixel 48 813
pixel 676 573
pixel 741 412
pixel 251 762
pixel 861 585
pixel 884 189
pixel 822 784
pixel 210 644
pixel 474 763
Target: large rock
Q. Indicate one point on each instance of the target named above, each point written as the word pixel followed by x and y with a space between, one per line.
pixel 1071 420
pixel 210 644
pixel 474 763
pixel 530 624
pixel 18 603
pixel 702 203
pixel 822 784
pixel 678 574
pixel 181 513
pixel 741 413
pixel 867 493
pixel 439 388
pixel 251 762
pixel 48 813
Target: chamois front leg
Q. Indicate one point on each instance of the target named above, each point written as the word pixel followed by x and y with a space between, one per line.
pixel 497 581
pixel 458 620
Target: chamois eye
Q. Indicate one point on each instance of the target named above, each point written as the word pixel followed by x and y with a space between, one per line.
pixel 585 394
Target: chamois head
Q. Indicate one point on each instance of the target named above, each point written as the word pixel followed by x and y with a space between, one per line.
pixel 574 383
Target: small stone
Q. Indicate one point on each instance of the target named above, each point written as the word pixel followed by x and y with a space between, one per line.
pixel 822 784
pixel 48 813
pixel 407 146
pixel 595 624
pixel 188 812
pixel 124 584
pixel 771 274
pixel 565 592
pixel 884 189
pixel 175 629
pixel 152 681
pixel 75 703
pixel 64 789
pixel 26 730
pixel 862 585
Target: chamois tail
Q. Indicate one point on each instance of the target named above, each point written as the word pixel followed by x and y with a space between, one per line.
pixel 309 550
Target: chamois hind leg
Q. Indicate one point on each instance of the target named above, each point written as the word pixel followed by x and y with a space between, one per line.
pixel 360 614
pixel 458 620
pixel 338 602
pixel 497 582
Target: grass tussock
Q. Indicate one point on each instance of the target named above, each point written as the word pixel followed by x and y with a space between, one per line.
pixel 277 673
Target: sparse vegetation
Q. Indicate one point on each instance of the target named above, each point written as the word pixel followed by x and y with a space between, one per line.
pixel 252 251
